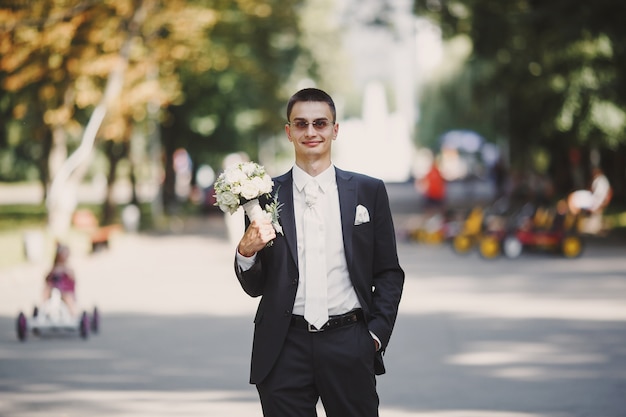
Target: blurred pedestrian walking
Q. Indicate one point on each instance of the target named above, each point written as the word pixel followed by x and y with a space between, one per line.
pixel 593 201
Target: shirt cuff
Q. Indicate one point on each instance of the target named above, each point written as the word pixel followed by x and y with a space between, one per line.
pixel 376 339
pixel 245 262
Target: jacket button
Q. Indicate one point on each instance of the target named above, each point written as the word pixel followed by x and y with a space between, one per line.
pixel 287 313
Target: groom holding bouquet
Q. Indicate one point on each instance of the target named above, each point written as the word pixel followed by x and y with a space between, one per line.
pixel 330 283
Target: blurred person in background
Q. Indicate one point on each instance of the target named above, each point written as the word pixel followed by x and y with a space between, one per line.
pixel 433 187
pixel 594 200
pixel 61 276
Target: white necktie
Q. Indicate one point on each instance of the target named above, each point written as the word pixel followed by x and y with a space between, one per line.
pixel 315 292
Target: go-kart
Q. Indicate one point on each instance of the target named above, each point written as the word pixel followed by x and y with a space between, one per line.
pixel 53 318
pixel 546 230
pixel 482 228
pixel 434 230
pixel 568 244
pixel 470 232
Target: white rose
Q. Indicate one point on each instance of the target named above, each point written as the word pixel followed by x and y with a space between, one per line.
pixel 267 184
pixel 229 209
pixel 227 200
pixel 249 190
pixel 260 185
pixel 235 189
pixel 234 175
pixel 248 168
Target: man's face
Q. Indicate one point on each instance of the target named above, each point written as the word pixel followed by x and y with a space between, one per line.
pixel 311 129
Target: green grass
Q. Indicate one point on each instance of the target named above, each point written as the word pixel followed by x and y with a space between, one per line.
pixel 13 245
pixel 21 220
pixel 19 223
pixel 22 216
pixel 616 220
pixel 15 222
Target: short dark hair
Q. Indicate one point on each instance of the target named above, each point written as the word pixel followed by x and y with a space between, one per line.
pixel 312 94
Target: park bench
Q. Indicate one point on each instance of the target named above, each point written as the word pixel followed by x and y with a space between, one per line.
pixel 99 236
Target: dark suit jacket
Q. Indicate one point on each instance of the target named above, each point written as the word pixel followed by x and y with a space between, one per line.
pixel 370 250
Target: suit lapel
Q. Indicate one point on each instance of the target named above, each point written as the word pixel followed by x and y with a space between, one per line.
pixel 284 188
pixel 347 203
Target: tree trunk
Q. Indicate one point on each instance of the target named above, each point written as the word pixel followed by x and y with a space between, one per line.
pixel 169 182
pixel 61 185
pixel 134 200
pixel 115 152
pixel 45 169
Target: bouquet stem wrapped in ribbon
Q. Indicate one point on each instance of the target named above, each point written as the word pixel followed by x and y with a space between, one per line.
pixel 242 185
pixel 253 210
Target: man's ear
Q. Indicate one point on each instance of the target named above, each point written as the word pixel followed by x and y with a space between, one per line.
pixel 288 132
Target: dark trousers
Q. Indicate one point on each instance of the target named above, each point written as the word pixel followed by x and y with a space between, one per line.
pixel 335 365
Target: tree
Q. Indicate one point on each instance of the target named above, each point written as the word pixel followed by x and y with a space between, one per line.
pixel 557 66
pixel 191 62
pixel 233 96
pixel 36 50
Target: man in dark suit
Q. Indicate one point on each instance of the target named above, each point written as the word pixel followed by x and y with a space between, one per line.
pixel 300 355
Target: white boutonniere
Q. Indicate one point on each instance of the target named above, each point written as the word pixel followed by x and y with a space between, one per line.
pixel 241 185
pixel 361 216
pixel 274 210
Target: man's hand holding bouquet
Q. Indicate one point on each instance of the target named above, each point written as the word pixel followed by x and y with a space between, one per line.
pixel 241 185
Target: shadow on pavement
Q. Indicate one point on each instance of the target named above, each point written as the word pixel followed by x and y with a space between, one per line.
pixel 449 362
pixel 437 363
pixel 132 352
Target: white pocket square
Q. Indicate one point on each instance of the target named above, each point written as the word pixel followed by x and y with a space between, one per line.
pixel 362 215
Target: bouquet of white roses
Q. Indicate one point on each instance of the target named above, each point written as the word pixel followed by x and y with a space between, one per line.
pixel 242 185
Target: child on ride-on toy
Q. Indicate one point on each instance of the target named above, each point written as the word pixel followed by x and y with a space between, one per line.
pixel 61 276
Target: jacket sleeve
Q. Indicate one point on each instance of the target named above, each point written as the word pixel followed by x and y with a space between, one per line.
pixel 252 280
pixel 387 275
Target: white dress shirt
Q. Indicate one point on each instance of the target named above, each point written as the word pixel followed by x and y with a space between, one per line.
pixel 341 295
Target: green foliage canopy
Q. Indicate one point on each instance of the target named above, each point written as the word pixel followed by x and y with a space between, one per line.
pixel 542 73
pixel 209 71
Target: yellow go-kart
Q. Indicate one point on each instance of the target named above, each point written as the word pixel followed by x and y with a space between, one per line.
pixel 470 233
pixel 433 231
pixel 489 246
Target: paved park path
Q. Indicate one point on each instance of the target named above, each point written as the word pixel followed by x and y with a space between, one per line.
pixel 539 336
